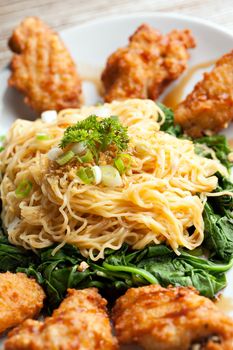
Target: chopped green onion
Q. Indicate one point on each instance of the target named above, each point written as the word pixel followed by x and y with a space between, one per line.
pixel 110 176
pixel 42 137
pixel 79 147
pixel 65 158
pixel 54 153
pixel 23 189
pixel 122 162
pixel 86 175
pixel 127 158
pixel 119 164
pixel 86 158
pixel 2 139
pixel 97 173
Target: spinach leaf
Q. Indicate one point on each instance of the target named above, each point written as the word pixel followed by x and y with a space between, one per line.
pixel 12 256
pixel 186 270
pixel 219 144
pixel 179 272
pixel 168 125
pixel 218 234
pixel 222 204
pixel 119 271
pixel 218 222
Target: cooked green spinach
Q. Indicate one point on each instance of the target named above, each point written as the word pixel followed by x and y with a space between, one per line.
pixel 219 144
pixel 119 271
pixel 169 125
pixel 127 268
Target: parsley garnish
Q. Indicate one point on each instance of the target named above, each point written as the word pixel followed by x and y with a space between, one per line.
pixel 98 134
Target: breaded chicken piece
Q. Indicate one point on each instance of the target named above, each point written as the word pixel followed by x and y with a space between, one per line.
pixel 80 323
pixel 20 298
pixel 171 319
pixel 147 65
pixel 42 68
pixel 209 107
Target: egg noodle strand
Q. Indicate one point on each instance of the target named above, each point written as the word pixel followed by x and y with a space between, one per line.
pixel 162 196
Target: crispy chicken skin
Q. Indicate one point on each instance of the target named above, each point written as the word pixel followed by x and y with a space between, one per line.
pixel 172 318
pixel 147 65
pixel 20 298
pixel 209 107
pixel 80 323
pixel 42 67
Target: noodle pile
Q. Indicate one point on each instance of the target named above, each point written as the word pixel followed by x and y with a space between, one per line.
pixel 163 194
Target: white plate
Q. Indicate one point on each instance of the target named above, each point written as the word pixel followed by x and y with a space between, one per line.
pixel 90 44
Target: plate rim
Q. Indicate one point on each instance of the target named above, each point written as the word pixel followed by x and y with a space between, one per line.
pixel 137 15
pixel 103 19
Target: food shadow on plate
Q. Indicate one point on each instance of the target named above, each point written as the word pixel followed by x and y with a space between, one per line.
pixel 13 102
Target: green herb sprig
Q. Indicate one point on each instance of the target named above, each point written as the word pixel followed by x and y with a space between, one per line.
pixel 98 134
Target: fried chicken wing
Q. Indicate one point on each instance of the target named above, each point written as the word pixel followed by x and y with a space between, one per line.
pixel 147 65
pixel 171 319
pixel 209 107
pixel 20 298
pixel 42 68
pixel 80 323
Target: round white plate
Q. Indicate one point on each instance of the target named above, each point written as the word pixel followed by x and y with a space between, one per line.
pixel 91 43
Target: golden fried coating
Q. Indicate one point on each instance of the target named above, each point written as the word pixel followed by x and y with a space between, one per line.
pixel 42 68
pixel 209 107
pixel 147 65
pixel 20 298
pixel 80 323
pixel 171 319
